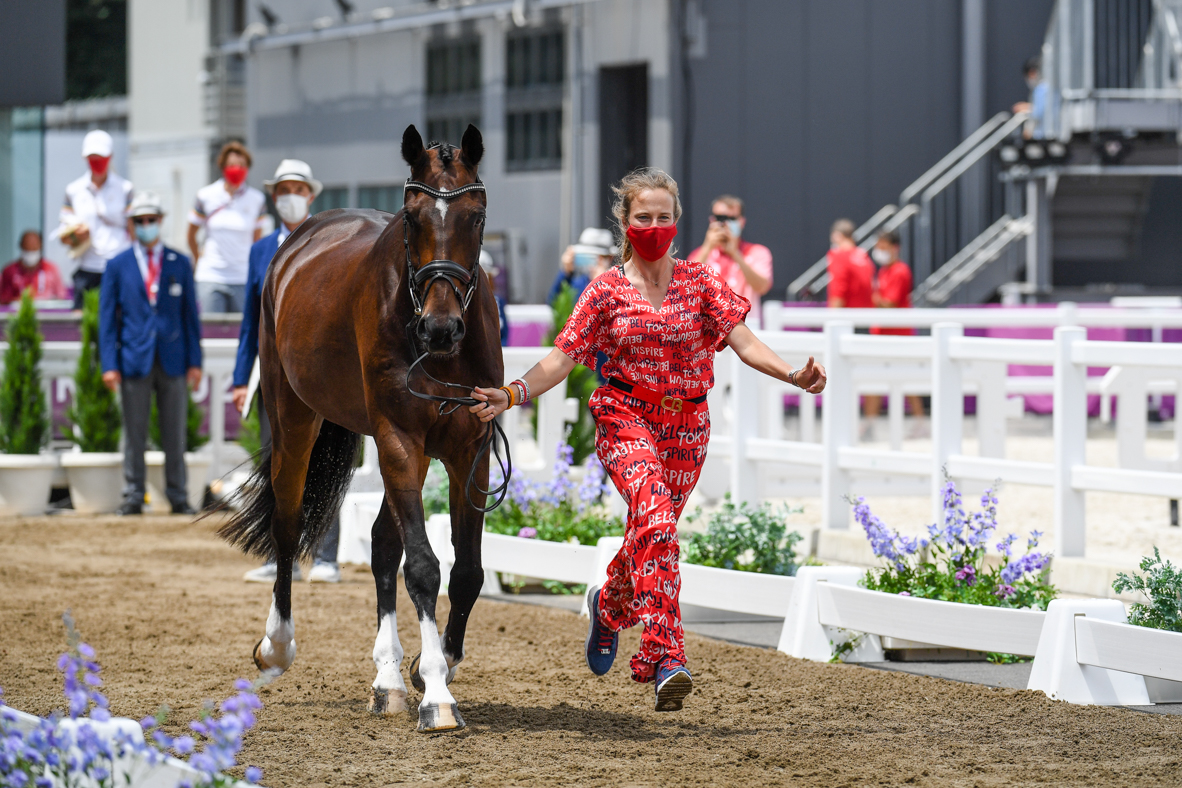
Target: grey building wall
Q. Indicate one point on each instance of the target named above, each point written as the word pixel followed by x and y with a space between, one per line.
pixel 813 110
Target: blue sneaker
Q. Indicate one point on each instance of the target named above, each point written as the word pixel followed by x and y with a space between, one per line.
pixel 674 683
pixel 601 641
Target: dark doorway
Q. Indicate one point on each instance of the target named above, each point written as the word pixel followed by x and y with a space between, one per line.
pixel 623 129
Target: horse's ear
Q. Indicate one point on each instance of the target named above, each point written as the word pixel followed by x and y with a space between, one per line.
pixel 472 145
pixel 412 145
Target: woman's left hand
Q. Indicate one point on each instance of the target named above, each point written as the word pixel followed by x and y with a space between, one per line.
pixel 811 377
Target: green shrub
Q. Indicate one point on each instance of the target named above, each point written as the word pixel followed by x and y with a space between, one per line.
pixel 1162 583
pixel 250 432
pixel 436 490
pixel 580 384
pixel 24 419
pixel 95 420
pixel 744 538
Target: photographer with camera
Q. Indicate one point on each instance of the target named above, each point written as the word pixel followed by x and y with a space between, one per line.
pixel 584 261
pixel 745 266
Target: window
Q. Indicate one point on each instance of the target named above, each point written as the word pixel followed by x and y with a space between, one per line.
pixel 535 70
pixel 382 198
pixel 335 197
pixel 453 88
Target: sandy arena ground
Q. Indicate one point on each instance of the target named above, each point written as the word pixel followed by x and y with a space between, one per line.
pixel 162 602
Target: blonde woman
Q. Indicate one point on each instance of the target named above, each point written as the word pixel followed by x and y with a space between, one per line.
pixel 659 321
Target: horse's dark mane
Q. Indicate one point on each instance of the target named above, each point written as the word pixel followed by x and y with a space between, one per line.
pixel 447 151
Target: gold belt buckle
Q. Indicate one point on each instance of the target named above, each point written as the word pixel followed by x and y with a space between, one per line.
pixel 671 403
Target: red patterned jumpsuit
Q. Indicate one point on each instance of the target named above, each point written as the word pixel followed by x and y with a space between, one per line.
pixel 653 454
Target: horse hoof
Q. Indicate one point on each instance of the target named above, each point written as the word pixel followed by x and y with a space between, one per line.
pixel 416 680
pixel 387 701
pixel 258 657
pixel 434 718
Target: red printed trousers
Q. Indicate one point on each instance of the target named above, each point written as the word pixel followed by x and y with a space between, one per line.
pixel 654 457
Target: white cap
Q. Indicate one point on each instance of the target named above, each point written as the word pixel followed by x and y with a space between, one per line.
pixel 294 170
pixel 145 204
pixel 595 240
pixel 486 262
pixel 97 143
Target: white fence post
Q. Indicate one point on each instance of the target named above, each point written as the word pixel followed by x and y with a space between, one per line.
pixel 744 425
pixel 947 409
pixel 837 430
pixel 1070 424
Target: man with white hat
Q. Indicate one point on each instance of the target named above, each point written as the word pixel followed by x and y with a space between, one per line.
pixel 292 189
pixel 583 261
pixel 150 341
pixel 93 223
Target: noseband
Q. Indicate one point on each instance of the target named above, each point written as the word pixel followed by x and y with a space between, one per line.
pixel 423 278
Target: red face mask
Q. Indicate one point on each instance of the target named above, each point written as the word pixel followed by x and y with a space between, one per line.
pixel 99 164
pixel 234 175
pixel 651 243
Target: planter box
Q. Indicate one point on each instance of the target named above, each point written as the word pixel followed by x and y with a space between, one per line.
pixel 96 480
pixel 1163 690
pixel 25 480
pixel 900 650
pixel 941 624
pixel 197 467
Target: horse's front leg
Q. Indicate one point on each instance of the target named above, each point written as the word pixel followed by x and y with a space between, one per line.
pixel 389 690
pixel 402 477
pixel 467 574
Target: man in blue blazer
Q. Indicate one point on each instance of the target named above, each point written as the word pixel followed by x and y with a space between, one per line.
pixel 292 189
pixel 150 341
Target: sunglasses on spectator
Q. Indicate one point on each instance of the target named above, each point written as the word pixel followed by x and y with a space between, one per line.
pixel 722 217
pixel 145 220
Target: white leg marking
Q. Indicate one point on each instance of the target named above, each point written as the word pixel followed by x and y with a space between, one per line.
pixel 278 648
pixel 387 657
pixel 441 206
pixel 433 667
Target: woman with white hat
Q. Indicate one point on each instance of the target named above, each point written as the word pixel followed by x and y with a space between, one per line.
pixel 583 261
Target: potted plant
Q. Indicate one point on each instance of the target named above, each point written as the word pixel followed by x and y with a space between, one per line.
pixel 197 464
pixel 744 538
pixel 95 468
pixel 1161 586
pixel 26 470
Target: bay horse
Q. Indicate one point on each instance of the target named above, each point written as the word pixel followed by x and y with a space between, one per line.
pixel 353 302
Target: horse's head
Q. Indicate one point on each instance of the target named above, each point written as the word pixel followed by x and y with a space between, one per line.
pixel 444 228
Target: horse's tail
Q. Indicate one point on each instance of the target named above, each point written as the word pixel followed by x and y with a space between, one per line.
pixel 330 470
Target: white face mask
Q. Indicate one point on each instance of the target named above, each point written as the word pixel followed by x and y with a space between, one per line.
pixel 881 256
pixel 292 207
pixel 30 259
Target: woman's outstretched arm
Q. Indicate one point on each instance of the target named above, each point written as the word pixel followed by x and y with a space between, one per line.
pixel 542 377
pixel 757 355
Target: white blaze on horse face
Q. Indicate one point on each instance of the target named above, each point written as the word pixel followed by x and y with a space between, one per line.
pixel 278 648
pixel 387 657
pixel 441 206
pixel 433 667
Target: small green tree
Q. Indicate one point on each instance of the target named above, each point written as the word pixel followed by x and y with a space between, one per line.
pixel 194 418
pixel 581 383
pixel 95 420
pixel 250 432
pixel 24 419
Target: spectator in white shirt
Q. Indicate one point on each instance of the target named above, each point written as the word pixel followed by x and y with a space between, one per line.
pixel 232 214
pixel 93 218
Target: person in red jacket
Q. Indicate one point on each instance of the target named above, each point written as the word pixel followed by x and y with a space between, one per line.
pixel 30 272
pixel 893 292
pixel 851 272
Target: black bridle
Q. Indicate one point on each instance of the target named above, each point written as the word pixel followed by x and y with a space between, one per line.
pixel 428 274
pixel 439 269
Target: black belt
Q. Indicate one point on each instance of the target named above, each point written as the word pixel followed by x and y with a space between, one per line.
pixel 675 404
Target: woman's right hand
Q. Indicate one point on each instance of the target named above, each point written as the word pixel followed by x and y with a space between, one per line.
pixel 490 403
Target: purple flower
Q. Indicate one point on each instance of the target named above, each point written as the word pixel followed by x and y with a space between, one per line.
pixel 253 774
pixel 967 575
pixel 904 593
pixel 1005 590
pixel 527 533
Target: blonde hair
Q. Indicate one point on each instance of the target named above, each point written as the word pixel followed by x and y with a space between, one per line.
pixel 233 147
pixel 627 189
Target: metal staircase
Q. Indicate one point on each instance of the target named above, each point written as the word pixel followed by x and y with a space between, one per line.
pixel 1023 198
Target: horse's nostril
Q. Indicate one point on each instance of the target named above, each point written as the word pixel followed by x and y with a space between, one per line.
pixel 457 331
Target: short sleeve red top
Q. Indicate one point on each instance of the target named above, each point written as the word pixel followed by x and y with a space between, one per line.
pixel 670 350
pixel 851 278
pixel 894 285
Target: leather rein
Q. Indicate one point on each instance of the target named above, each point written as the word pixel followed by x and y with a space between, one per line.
pixel 425 277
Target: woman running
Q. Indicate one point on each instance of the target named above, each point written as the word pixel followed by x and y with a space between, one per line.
pixel 659 321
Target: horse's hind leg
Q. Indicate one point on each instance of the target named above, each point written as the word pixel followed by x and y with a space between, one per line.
pixel 389 691
pixel 294 427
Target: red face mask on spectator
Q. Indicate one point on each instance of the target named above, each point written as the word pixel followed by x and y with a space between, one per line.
pixel 99 164
pixel 234 175
pixel 651 243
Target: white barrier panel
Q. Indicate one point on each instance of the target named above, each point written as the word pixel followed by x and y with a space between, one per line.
pixel 947 624
pixel 804 636
pixel 1057 669
pixel 1124 647
pixel 569 563
pixel 738 592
